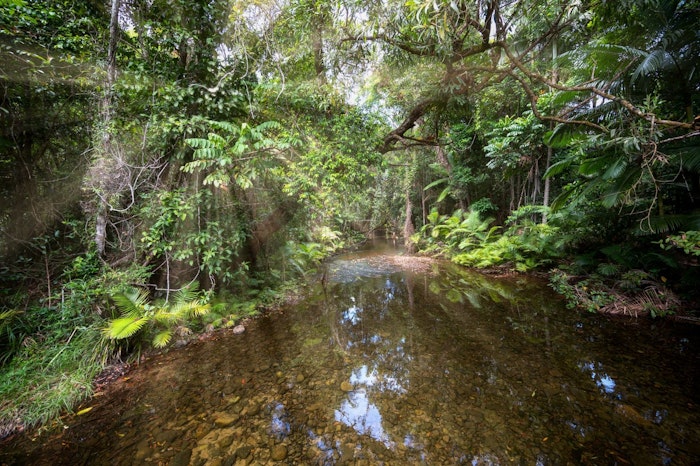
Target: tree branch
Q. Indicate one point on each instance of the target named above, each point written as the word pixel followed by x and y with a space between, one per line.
pixel 599 92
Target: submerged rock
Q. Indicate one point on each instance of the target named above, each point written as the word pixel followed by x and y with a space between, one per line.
pixel 243 452
pixel 224 419
pixel 278 453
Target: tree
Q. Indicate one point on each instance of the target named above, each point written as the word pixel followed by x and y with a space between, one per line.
pixel 102 165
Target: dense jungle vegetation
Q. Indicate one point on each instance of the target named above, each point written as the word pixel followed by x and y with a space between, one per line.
pixel 171 166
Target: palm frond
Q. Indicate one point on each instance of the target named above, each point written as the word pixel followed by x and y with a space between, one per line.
pixel 124 327
pixel 655 61
pixel 667 223
pixel 621 186
pixel 689 156
pixel 131 303
pixel 167 315
pixel 162 338
pixel 595 165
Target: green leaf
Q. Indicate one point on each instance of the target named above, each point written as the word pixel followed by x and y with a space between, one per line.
pixel 619 189
pixel 558 167
pixel 443 194
pixel 199 143
pixel 595 165
pixel 124 327
pixel 436 183
pixel 162 338
pixel 131 303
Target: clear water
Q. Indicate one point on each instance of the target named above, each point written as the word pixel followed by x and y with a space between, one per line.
pixel 402 362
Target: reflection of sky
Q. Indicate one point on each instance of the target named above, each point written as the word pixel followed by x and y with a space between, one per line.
pixel 373 378
pixel 279 425
pixel 362 376
pixel 352 315
pixel 357 412
pixel 389 290
pixel 603 381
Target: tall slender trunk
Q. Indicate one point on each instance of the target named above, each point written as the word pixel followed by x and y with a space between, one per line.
pixel 547 181
pixel 409 183
pixel 408 228
pixel 511 206
pixel 550 151
pixel 547 184
pixel 535 181
pixel 106 111
pixel 317 46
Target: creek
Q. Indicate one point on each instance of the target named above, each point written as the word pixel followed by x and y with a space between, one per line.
pixel 400 360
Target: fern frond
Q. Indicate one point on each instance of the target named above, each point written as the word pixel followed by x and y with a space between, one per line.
pixel 226 126
pixel 218 141
pixel 200 143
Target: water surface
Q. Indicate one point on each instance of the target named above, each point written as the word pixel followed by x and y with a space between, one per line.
pixel 401 362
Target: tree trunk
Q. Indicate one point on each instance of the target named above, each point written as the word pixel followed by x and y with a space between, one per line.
pixel 535 181
pixel 264 229
pixel 106 110
pixel 550 151
pixel 317 45
pixel 547 181
pixel 408 228
pixel 512 194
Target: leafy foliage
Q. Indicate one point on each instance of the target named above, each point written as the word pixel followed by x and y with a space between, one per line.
pixel 161 318
pixel 239 155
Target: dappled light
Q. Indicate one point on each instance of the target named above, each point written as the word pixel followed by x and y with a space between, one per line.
pixel 354 232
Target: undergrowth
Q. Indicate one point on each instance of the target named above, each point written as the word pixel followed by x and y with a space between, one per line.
pixel 52 351
pixel 628 279
pixel 50 376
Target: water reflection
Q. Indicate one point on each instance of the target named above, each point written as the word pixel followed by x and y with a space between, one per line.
pixel 358 412
pixel 352 314
pixel 603 381
pixel 279 425
pixel 392 366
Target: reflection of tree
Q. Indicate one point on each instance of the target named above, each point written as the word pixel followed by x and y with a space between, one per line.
pixel 409 290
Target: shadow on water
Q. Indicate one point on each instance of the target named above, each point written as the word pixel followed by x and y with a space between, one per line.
pixel 402 361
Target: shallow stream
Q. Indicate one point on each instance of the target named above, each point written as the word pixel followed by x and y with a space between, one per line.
pixel 402 361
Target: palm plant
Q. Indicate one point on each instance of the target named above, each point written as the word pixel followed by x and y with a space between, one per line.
pixel 161 319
